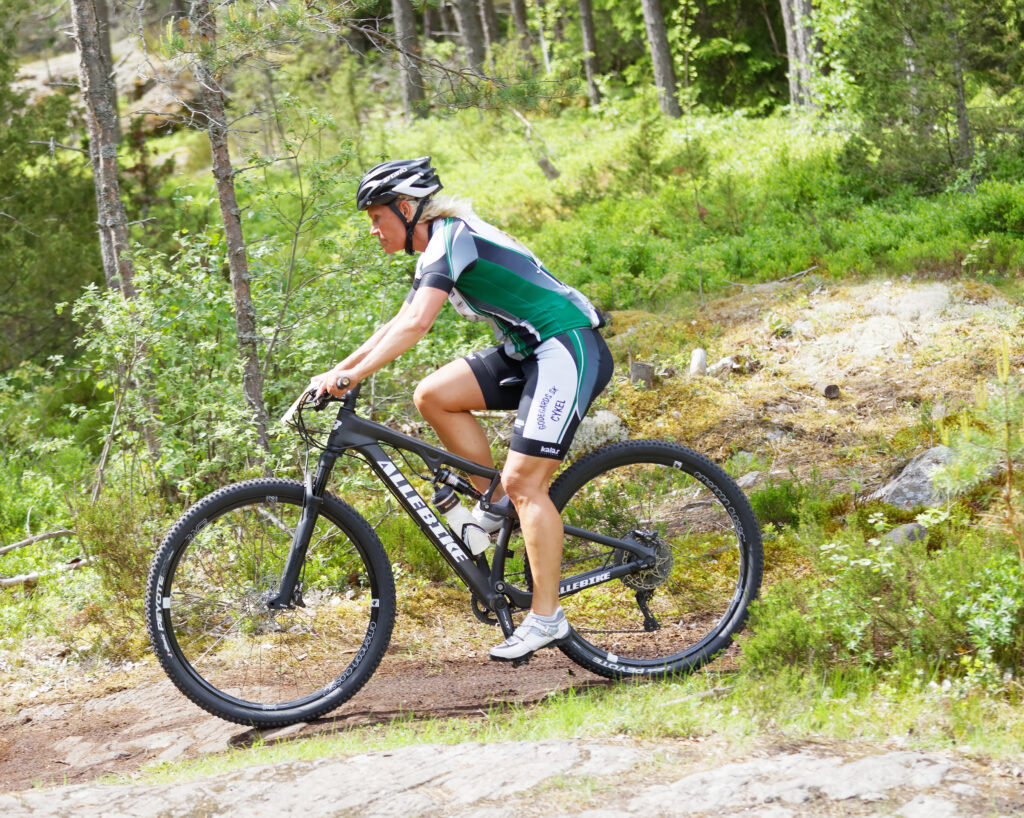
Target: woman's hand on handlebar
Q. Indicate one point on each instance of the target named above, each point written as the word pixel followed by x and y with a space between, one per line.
pixel 334 381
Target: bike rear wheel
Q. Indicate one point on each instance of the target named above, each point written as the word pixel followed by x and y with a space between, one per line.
pixel 216 637
pixel 680 613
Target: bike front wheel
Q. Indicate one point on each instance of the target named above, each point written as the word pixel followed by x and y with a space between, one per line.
pixel 683 610
pixel 216 636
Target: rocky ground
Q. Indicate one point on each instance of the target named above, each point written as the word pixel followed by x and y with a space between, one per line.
pixel 565 777
pixel 122 721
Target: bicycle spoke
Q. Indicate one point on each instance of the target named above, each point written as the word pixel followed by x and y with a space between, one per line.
pixel 684 602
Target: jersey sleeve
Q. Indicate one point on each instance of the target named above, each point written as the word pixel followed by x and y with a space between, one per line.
pixel 449 253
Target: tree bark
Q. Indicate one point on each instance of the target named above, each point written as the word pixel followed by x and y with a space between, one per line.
pixel 661 56
pixel 965 136
pixel 471 33
pixel 205 30
pixel 489 24
pixel 409 49
pixel 433 24
pixel 103 29
pixel 542 36
pixel 450 22
pixel 800 50
pixel 94 80
pixel 522 25
pixel 589 50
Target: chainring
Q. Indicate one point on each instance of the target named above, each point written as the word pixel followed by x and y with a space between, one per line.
pixel 480 612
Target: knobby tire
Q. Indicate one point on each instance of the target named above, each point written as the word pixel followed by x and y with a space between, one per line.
pixel 221 644
pixel 709 567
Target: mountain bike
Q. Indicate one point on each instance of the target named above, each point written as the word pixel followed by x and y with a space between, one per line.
pixel 271 601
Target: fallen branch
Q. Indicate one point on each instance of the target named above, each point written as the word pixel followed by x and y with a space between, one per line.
pixel 34 577
pixel 801 274
pixel 49 535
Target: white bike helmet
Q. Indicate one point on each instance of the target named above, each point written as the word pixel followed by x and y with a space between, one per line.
pixel 407 178
pixel 412 178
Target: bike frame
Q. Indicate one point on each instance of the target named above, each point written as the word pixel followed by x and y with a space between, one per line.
pixel 350 432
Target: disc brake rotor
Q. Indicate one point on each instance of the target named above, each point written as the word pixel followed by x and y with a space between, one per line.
pixel 647 579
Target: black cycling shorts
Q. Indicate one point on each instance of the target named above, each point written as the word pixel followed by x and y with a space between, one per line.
pixel 552 388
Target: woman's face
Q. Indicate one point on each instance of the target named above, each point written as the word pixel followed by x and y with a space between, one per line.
pixel 387 227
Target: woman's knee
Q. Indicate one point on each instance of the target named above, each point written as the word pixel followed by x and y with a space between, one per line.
pixel 525 482
pixel 430 395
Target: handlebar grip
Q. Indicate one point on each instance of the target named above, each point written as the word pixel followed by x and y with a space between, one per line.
pixel 343 382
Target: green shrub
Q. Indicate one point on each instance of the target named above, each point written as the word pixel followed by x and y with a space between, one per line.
pixel 779 503
pixel 995 207
pixel 870 603
pixel 119 532
pixel 792 501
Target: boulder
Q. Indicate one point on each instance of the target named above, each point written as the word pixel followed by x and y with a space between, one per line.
pixel 907 533
pixel 913 487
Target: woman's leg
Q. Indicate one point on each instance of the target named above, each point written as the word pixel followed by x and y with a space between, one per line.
pixel 446 399
pixel 526 480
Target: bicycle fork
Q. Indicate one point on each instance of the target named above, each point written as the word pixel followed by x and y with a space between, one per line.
pixel 289 592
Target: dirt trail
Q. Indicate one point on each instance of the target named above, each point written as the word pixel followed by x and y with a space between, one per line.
pixel 80 738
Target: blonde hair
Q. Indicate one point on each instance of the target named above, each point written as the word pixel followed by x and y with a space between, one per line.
pixel 448 207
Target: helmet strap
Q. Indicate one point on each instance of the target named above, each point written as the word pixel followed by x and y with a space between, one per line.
pixel 410 225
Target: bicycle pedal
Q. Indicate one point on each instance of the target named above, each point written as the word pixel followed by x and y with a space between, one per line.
pixel 522 660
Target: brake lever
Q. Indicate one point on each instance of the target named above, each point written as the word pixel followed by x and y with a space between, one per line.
pixel 309 396
pixel 299 401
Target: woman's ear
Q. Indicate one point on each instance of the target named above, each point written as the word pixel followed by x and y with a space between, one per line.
pixel 407 208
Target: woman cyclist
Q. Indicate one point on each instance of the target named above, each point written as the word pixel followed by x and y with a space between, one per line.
pixel 550 362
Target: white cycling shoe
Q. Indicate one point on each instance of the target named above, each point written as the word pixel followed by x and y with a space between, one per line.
pixel 534 632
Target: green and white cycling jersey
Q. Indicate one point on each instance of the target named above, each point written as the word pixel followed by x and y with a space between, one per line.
pixel 491 277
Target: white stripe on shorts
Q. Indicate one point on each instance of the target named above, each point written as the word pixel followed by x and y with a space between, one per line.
pixel 555 395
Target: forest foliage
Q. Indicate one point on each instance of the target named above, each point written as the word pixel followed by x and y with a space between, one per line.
pixel 902 155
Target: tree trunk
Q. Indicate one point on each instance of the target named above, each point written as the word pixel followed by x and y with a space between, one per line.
pixel 800 50
pixel 489 23
pixel 661 56
pixel 103 20
pixel 522 25
pixel 101 118
pixel 450 22
pixel 204 29
pixel 471 33
pixel 965 137
pixel 589 50
pixel 409 51
pixel 542 36
pixel 433 25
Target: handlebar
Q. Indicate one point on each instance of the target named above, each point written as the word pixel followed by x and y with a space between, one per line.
pixel 317 404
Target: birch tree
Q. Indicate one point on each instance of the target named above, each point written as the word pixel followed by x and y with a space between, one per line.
pixel 800 50
pixel 409 47
pixel 203 32
pixel 589 50
pixel 99 95
pixel 489 25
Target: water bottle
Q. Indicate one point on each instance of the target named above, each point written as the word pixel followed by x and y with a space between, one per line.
pixel 461 520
